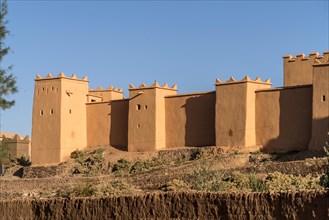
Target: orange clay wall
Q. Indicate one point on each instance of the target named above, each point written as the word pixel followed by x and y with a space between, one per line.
pixel 119 123
pixel 190 119
pixel 320 124
pixel 98 123
pixel 284 118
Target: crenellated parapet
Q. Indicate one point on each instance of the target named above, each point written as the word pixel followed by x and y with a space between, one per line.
pixel 108 89
pixel 155 85
pixel 298 70
pixel 246 79
pixel 313 57
pixel 60 76
pixel 16 139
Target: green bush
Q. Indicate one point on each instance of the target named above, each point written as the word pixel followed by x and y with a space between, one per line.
pixel 121 167
pixel 324 180
pixel 277 181
pixel 257 184
pixel 78 190
pixel 176 185
pixel 23 160
pixel 115 188
pixel 146 165
pixel 89 163
pixel 245 182
pixel 205 179
pixel 77 154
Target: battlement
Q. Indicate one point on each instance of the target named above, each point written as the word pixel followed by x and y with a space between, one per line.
pixel 298 70
pixel 60 76
pixel 244 80
pixel 153 86
pixel 109 89
pixel 314 57
pixel 15 139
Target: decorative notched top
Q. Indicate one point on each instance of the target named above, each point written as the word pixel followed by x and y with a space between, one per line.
pixel 313 57
pixel 60 75
pixel 16 139
pixel 153 86
pixel 110 88
pixel 245 79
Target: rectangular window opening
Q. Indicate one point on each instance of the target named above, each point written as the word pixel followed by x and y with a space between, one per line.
pixel 323 98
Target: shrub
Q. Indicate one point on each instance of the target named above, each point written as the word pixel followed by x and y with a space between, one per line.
pixel 257 184
pixel 90 163
pixel 77 154
pixel 204 179
pixel 115 188
pixel 324 180
pixel 277 181
pixel 175 185
pixel 121 167
pixel 146 165
pixel 78 190
pixel 23 160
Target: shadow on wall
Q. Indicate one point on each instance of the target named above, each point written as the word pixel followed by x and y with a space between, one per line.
pixel 119 125
pixel 320 135
pixel 293 112
pixel 200 120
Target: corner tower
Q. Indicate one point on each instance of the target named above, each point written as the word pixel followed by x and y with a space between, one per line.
pixel 299 70
pixel 58 117
pixel 146 119
pixel 320 106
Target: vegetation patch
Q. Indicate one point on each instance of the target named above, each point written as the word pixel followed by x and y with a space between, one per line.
pixel 88 189
pixel 89 163
pixel 121 167
pixel 277 182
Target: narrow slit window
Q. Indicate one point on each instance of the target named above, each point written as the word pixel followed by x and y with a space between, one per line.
pixel 145 107
pixel 138 126
pixel 323 98
pixel 51 111
pixel 41 112
pixel 70 111
pixel 138 107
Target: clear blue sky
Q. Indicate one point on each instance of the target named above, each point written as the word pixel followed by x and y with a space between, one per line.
pixel 190 43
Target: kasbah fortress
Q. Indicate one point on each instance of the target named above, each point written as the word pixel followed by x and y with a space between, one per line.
pixel 68 115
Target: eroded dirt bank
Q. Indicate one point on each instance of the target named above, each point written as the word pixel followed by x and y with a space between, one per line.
pixel 186 205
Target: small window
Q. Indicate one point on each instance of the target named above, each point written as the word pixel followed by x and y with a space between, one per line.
pixel 43 88
pixel 145 107
pixel 51 111
pixel 70 111
pixel 138 107
pixel 52 88
pixel 93 100
pixel 41 113
pixel 138 126
pixel 323 98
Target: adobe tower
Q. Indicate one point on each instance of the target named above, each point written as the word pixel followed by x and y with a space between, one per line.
pixel 58 117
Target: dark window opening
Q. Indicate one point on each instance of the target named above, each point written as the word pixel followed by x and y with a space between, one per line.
pixel 70 111
pixel 145 107
pixel 323 98
pixel 41 113
pixel 138 107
